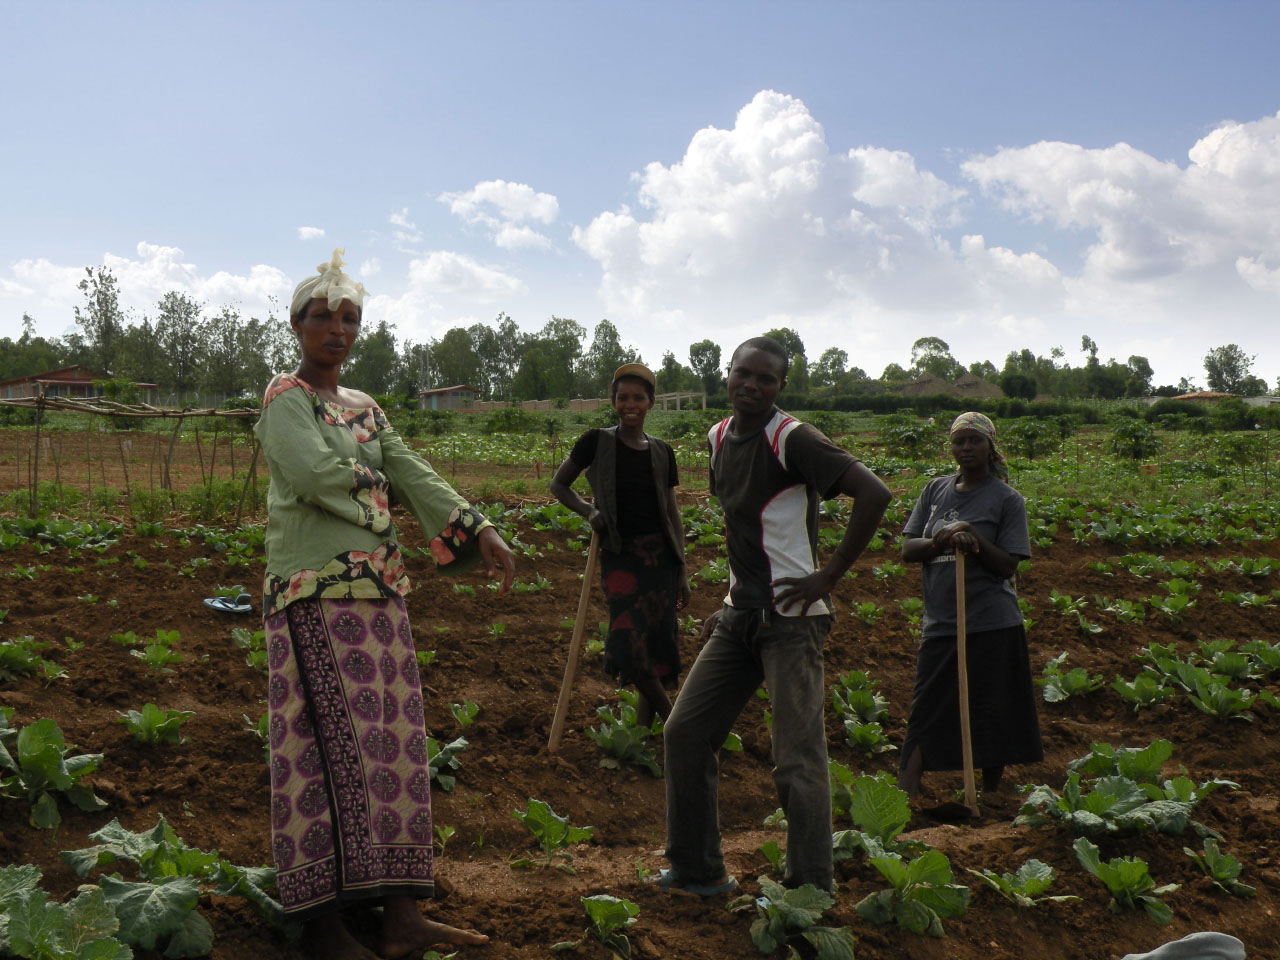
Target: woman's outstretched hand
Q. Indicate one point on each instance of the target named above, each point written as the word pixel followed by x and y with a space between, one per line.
pixel 494 551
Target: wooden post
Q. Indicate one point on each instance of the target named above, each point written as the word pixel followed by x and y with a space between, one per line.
pixel 102 457
pixel 124 465
pixel 200 454
pixel 35 459
pixel 247 480
pixel 168 479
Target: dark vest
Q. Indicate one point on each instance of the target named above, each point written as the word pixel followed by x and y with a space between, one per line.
pixel 602 475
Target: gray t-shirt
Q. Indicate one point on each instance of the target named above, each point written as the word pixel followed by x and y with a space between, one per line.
pixel 998 513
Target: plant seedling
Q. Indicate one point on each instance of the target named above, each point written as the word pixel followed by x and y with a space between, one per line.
pixel 254 643
pixel 36 763
pixel 920 894
pixel 553 833
pixel 425 657
pixel 465 712
pixel 773 853
pixel 609 916
pixel 153 725
pixel 1145 691
pixel 622 736
pixel 784 915
pixel 868 738
pixel 1128 881
pixel 443 836
pixel 1059 686
pixel 1026 887
pixel 443 762
pixel 157 657
pixel 868 611
pixel 1222 868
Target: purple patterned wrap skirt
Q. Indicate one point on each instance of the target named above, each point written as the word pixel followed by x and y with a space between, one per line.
pixel 350 786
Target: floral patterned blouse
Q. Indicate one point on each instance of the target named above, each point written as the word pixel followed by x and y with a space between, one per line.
pixel 334 472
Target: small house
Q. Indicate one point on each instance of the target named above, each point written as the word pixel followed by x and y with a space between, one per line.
pixel 458 397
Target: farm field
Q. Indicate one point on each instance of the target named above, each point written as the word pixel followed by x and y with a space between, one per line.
pixel 1194 575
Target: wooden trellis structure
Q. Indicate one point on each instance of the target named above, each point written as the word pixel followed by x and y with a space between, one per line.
pixel 102 407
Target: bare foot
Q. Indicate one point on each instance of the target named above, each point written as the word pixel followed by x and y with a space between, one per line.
pixel 327 938
pixel 406 932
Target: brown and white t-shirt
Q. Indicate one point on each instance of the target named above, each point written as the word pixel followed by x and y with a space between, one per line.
pixel 770 483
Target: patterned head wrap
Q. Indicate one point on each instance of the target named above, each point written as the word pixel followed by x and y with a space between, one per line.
pixel 331 284
pixel 982 424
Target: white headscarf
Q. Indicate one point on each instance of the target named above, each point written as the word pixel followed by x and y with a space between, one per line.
pixel 332 284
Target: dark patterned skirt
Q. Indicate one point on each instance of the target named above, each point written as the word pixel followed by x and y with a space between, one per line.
pixel 1002 702
pixel 350 786
pixel 640 584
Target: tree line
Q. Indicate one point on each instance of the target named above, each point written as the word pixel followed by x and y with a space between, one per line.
pixel 188 348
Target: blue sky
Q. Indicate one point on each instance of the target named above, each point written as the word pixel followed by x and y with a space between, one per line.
pixel 1000 175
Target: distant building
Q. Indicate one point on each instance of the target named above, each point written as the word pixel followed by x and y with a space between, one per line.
pixel 458 397
pixel 73 383
pixel 973 386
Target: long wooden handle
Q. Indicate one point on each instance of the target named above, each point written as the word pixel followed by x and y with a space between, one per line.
pixel 575 645
pixel 962 668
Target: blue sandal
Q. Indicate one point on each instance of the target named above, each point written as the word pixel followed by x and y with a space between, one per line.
pixel 668 881
pixel 226 605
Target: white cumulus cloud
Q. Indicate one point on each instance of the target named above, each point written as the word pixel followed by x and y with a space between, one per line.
pixel 406 235
pixel 444 272
pixel 504 208
pixel 50 291
pixel 862 248
pixel 310 233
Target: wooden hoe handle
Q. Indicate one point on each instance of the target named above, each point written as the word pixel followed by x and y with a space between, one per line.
pixel 962 668
pixel 575 646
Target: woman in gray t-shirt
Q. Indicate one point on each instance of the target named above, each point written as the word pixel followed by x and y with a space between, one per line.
pixel 977 512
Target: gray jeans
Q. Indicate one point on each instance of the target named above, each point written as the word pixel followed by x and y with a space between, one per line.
pixel 785 652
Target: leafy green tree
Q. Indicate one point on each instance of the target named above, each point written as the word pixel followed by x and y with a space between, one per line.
pixel 986 370
pixel 561 343
pixel 30 353
pixel 674 375
pixel 1015 384
pixel 893 373
pixel 223 369
pixel 373 365
pixel 933 355
pixel 1227 369
pixel 830 367
pixel 141 356
pixel 454 360
pixel 180 332
pixel 510 342
pixel 1138 383
pixel 101 319
pixel 533 379
pixel 704 359
pixel 605 355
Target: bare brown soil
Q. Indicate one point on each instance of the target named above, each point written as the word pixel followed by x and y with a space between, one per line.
pixel 214 788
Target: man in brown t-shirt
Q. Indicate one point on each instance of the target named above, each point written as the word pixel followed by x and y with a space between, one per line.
pixel 770 472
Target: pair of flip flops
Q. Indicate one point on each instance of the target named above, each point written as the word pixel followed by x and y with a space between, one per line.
pixel 668 880
pixel 238 604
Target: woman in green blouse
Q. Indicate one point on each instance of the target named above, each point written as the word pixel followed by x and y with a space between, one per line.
pixel 350 785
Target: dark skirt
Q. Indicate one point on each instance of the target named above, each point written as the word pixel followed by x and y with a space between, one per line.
pixel 350 785
pixel 1002 702
pixel 640 584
